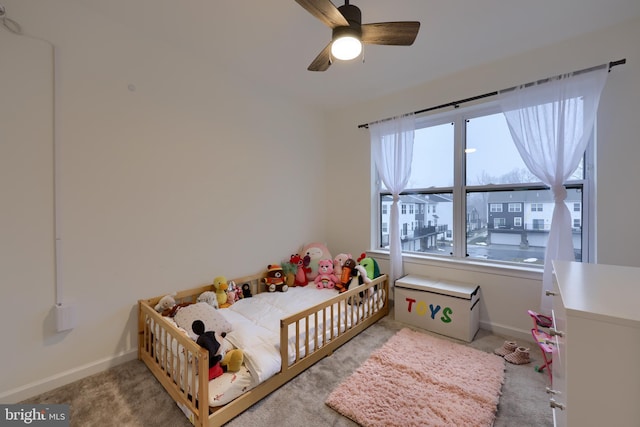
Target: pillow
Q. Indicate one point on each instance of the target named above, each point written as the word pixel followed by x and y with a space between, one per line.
pixel 316 252
pixel 213 321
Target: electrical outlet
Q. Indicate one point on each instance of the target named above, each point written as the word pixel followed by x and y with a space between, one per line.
pixel 66 317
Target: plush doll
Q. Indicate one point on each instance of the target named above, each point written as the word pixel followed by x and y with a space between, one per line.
pixel 338 262
pixel 371 267
pixel 232 360
pixel 301 274
pixel 234 293
pixel 208 341
pixel 306 261
pixel 369 270
pixel 237 290
pixel 221 286
pixel 231 293
pixel 210 298
pixel 168 307
pixel 325 277
pixel 166 302
pixel 220 361
pixel 275 279
pixel 316 252
pixel 246 290
pixel 346 275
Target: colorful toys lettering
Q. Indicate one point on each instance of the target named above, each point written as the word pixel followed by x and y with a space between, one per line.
pixel 421 309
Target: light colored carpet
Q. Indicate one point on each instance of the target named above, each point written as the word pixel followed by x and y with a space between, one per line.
pixel 417 380
pixel 129 395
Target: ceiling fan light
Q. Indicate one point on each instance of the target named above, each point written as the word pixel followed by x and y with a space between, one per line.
pixel 346 48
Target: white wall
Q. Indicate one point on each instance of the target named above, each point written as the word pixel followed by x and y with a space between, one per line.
pixel 189 174
pixel 506 295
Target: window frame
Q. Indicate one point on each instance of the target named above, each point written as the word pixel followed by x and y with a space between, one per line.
pixel 460 190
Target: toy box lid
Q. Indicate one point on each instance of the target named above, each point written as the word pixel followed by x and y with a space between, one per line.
pixel 438 286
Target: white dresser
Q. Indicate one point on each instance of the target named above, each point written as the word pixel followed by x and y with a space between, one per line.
pixel 596 370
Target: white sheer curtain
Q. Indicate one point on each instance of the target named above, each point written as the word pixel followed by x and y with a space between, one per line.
pixel 551 124
pixel 392 148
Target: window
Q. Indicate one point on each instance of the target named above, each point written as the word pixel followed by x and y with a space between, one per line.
pixel 499 223
pixel 489 206
pixel 515 207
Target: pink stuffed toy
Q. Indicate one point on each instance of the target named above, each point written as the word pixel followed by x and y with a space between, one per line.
pixel 325 277
pixel 301 273
pixel 338 263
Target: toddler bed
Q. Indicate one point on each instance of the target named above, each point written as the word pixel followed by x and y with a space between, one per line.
pixel 281 335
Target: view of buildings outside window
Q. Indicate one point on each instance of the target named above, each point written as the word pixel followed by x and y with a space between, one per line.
pixel 470 165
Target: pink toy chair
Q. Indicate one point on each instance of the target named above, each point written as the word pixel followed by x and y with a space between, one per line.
pixel 543 339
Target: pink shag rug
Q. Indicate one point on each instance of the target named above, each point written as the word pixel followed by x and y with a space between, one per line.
pixel 416 379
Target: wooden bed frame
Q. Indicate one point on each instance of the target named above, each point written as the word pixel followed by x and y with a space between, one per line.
pixel 153 329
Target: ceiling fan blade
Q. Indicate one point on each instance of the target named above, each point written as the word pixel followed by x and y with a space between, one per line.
pixel 322 61
pixel 390 33
pixel 325 11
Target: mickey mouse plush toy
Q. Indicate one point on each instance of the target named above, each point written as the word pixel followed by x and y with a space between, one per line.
pixel 208 340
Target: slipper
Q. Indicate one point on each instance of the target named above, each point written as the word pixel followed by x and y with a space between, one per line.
pixel 518 357
pixel 507 348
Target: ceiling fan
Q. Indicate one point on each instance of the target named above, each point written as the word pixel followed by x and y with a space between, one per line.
pixel 349 33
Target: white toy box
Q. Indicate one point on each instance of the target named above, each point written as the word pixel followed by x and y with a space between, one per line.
pixel 442 306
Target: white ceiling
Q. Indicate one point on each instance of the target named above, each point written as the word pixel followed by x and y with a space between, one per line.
pixel 271 42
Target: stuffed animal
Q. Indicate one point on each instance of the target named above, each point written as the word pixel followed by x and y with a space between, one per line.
pixel 165 303
pixel 232 360
pixel 289 269
pixel 301 274
pixel 238 295
pixel 316 252
pixel 275 279
pixel 306 261
pixel 208 341
pixel 210 298
pixel 371 267
pixel 221 286
pixel 325 277
pixel 368 270
pixel 220 361
pixel 231 294
pixel 246 290
pixel 168 307
pixel 338 262
pixel 346 275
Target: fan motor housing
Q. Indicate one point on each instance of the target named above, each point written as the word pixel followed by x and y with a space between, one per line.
pixel 352 14
pixel 354 17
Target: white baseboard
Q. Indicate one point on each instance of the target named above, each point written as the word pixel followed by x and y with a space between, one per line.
pixel 507 331
pixel 35 388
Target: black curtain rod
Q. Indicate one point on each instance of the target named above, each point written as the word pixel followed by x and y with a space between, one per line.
pixel 456 104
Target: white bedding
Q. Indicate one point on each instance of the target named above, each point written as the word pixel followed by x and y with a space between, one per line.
pixel 256 325
pixel 256 330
